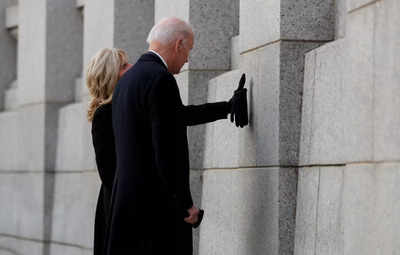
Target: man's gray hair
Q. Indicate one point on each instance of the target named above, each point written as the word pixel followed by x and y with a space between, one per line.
pixel 168 30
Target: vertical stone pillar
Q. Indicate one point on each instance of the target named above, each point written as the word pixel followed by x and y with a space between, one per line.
pixel 250 181
pixel 49 54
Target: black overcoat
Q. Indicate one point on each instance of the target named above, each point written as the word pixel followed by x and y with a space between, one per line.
pixel 151 190
pixel 104 147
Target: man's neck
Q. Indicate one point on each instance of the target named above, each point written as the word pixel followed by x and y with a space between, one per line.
pixel 161 54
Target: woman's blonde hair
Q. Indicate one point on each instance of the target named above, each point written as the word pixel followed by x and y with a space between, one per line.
pixel 102 75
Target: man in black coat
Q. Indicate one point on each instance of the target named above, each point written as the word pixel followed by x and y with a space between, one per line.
pixel 152 211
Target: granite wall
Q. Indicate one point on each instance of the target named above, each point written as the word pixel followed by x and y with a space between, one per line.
pixel 314 172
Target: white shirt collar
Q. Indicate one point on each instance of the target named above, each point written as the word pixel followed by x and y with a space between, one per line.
pixel 165 63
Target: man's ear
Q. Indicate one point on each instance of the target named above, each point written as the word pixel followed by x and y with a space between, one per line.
pixel 178 45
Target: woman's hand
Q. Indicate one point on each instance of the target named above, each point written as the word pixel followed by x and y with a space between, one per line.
pixel 193 215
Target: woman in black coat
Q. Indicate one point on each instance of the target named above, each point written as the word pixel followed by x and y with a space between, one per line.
pixel 103 72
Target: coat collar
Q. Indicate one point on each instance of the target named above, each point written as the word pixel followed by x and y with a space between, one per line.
pixel 150 56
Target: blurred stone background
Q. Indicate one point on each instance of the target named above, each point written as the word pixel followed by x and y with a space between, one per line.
pixel 315 172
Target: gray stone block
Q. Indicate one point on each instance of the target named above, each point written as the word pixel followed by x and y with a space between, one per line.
pixel 306 211
pixel 264 22
pixel 214 24
pixel 174 8
pixel 386 81
pixel 10 99
pixel 222 137
pixel 235 52
pixel 259 142
pixel 359 203
pixel 98 30
pixel 133 20
pixel 307 107
pixel 12 17
pixel 197 94
pixel 322 129
pixel 358 92
pixel 74 203
pixel 74 154
pixel 307 20
pixel 16 246
pixel 9 155
pixel 243 211
pixel 31 142
pixel 341 17
pixel 329 224
pixel 24 214
pixel 319 220
pixel 259 23
pixel 54 28
pixel 290 88
pixel 8 51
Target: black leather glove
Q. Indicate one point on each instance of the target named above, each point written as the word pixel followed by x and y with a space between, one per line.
pixel 238 104
pixel 200 218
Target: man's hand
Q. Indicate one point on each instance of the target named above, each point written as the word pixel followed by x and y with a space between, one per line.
pixel 238 104
pixel 193 215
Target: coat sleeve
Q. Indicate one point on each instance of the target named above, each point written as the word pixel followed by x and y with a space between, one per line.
pixel 200 114
pixel 165 127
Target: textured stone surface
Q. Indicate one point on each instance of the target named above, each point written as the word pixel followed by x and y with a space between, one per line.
pixel 359 201
pixel 307 20
pixel 9 158
pixel 263 22
pixel 358 92
pixel 235 52
pixel 75 198
pixel 197 84
pixel 54 28
pixel 24 213
pixel 259 23
pixel 323 113
pixel 98 30
pixel 11 16
pixel 222 137
pixel 243 211
pixel 176 8
pixel 214 24
pixel 290 88
pixel 330 228
pixel 341 17
pixel 133 20
pixel 371 208
pixel 14 246
pixel 386 81
pixel 258 143
pixel 74 154
pixel 8 50
pixel 306 212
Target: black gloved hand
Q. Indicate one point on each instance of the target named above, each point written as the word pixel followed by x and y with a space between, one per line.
pixel 238 104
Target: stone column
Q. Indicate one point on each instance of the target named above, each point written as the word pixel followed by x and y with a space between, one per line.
pixel 350 142
pixel 49 53
pixel 249 186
